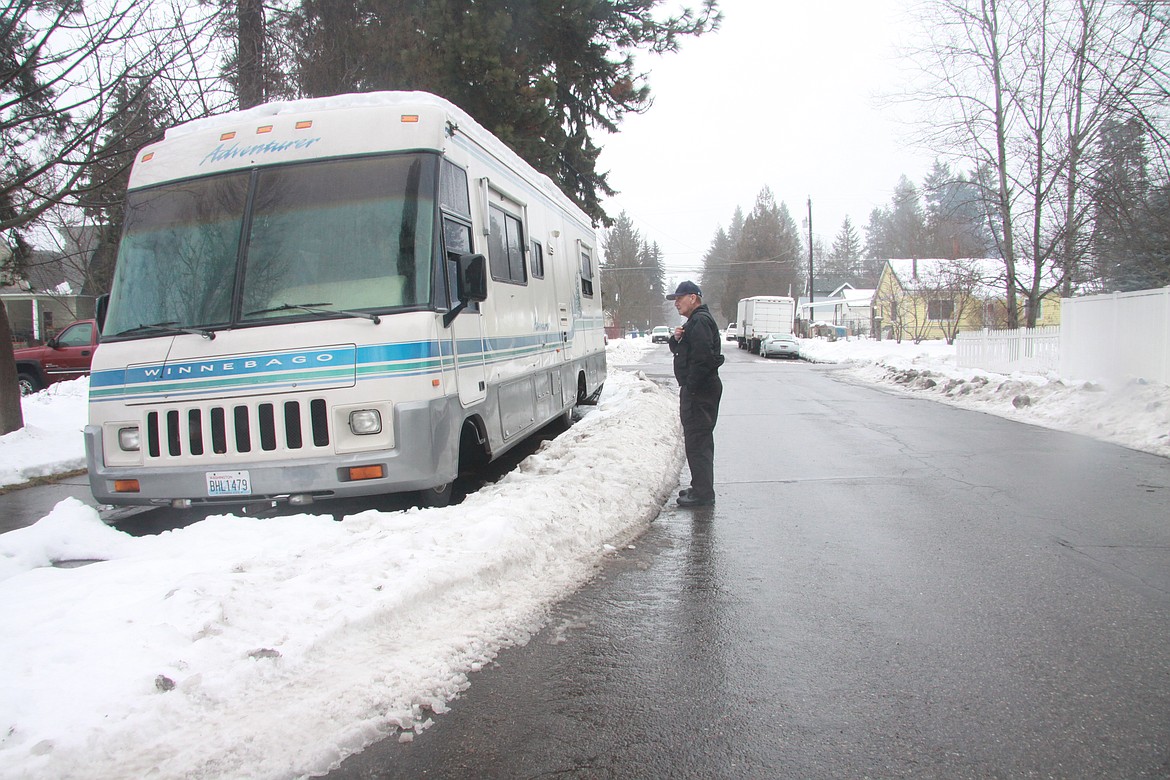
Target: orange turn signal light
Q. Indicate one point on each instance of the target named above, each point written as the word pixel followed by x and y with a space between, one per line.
pixel 126 486
pixel 357 473
pixel 410 118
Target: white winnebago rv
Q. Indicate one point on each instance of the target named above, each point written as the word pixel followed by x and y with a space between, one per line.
pixel 336 297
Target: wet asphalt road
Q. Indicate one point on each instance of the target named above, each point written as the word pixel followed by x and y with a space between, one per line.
pixel 888 587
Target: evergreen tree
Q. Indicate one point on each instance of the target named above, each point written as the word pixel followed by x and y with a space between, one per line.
pixel 633 292
pixel 1129 215
pixel 543 76
pixel 768 251
pixel 713 278
pixel 844 256
pixel 955 224
pixel 878 245
pixel 1150 266
pixel 622 272
pixel 651 260
pixel 907 227
pixel 258 66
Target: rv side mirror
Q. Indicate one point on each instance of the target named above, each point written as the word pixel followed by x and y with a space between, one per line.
pixel 472 283
pixel 472 278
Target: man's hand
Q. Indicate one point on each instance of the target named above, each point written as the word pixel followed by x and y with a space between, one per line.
pixel 678 333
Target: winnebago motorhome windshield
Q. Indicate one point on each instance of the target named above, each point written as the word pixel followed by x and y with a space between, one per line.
pixel 333 235
pixel 335 297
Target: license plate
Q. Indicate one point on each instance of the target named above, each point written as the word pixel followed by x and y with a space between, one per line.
pixel 228 483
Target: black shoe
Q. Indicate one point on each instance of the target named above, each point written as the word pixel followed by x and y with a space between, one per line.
pixel 684 492
pixel 691 500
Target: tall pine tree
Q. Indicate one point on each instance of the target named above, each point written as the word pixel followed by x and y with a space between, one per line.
pixel 543 75
pixel 844 257
pixel 768 251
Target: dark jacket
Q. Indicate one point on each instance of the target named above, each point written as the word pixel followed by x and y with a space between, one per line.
pixel 697 356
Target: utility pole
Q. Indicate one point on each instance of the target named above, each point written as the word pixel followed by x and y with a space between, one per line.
pixel 812 294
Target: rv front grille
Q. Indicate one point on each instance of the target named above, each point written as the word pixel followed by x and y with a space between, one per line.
pixel 237 430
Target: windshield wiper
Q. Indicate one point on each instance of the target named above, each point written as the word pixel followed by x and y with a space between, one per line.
pixel 170 328
pixel 316 308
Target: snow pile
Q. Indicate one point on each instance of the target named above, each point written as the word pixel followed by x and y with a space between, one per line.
pixel 1135 415
pixel 626 352
pixel 50 441
pixel 275 647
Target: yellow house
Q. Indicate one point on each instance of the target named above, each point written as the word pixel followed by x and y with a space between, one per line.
pixel 935 298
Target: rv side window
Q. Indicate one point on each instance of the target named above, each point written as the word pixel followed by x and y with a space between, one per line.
pixel 586 273
pixel 453 193
pixel 537 260
pixel 506 247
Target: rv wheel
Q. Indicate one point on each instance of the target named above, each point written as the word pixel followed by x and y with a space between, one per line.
pixel 436 497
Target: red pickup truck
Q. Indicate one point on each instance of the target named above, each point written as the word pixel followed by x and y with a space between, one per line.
pixel 65 356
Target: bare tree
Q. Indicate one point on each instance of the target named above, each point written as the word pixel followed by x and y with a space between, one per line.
pixel 891 305
pixel 66 70
pixel 1026 86
pixel 63 66
pixel 949 291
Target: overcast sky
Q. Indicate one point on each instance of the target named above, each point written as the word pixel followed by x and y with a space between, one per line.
pixel 786 94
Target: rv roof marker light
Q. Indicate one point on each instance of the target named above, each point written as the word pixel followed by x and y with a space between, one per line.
pixel 148 157
pixel 434 383
pixel 228 136
pixel 409 118
pixel 304 124
pixel 263 129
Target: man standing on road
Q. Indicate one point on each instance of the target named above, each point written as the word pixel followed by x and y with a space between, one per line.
pixel 697 357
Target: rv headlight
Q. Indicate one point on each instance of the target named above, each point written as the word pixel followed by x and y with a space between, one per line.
pixel 364 422
pixel 129 439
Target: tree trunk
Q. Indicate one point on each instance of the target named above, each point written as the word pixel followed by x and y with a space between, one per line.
pixel 250 60
pixel 991 22
pixel 11 414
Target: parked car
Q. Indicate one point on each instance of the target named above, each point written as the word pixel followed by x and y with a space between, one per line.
pixel 780 345
pixel 65 356
pixel 660 335
pixel 732 332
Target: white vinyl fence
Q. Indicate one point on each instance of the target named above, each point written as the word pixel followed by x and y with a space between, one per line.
pixel 1005 351
pixel 1111 339
pixel 1116 337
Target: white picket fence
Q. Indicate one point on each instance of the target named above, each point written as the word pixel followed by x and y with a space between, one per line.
pixel 1005 351
pixel 1111 338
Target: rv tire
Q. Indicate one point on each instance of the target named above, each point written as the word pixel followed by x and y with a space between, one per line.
pixel 436 497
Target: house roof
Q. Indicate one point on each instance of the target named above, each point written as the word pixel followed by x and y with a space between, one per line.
pixel 925 273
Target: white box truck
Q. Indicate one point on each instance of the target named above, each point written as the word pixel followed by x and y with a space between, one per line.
pixel 760 315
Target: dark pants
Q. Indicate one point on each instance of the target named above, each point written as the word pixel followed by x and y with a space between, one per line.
pixel 698 412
